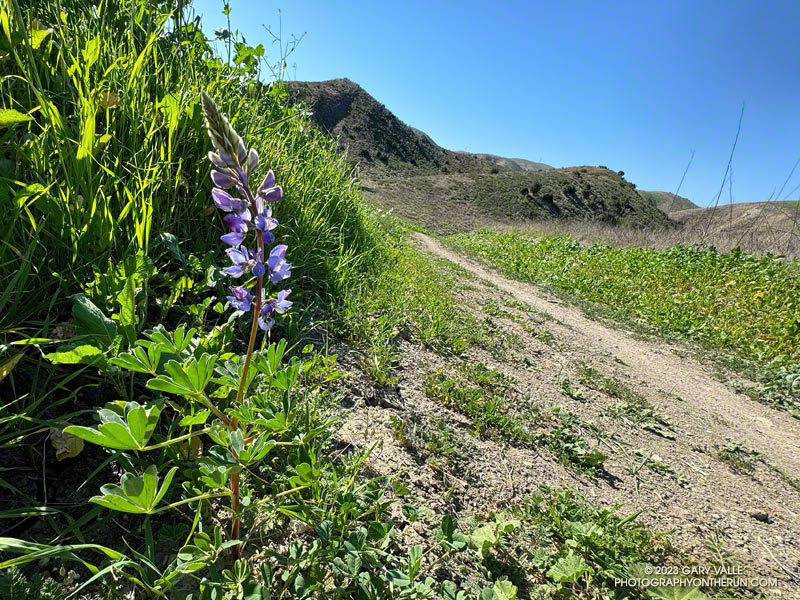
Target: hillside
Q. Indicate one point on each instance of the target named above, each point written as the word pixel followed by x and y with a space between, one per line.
pixel 759 226
pixel 372 136
pixel 451 203
pixel 404 170
pixel 514 164
pixel 667 201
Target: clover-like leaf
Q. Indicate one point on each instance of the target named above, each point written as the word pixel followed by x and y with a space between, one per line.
pixel 129 431
pixel 138 494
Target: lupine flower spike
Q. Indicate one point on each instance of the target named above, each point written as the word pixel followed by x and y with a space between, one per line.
pixel 245 211
pixel 234 165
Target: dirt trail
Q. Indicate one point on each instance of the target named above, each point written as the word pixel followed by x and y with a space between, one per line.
pixel 704 400
pixel 724 482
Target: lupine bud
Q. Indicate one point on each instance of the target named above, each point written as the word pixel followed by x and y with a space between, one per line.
pixel 223 179
pixel 252 161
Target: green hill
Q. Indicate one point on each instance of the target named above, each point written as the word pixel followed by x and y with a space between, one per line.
pixel 404 170
pixel 667 201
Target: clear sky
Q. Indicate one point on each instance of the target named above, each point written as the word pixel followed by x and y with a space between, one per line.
pixel 635 85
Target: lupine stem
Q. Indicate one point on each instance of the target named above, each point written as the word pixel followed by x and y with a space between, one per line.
pixel 234 423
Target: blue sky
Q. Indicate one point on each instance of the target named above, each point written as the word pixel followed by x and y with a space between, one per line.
pixel 634 85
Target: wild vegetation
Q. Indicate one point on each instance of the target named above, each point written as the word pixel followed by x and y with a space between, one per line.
pixel 734 302
pixel 155 444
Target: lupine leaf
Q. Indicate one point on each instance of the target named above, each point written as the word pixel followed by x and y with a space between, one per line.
pixel 129 433
pixel 138 494
pixel 137 360
pixel 198 418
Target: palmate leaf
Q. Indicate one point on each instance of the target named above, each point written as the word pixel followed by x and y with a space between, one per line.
pixel 131 431
pixel 249 454
pixel 568 569
pixel 135 494
pixel 170 343
pixel 189 378
pixel 138 360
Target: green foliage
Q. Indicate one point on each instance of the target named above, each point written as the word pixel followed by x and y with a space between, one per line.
pixel 484 395
pixel 412 297
pixel 631 406
pixel 135 494
pixel 731 302
pixel 129 430
pixel 566 441
pixel 110 159
pixel 579 548
pixel 14 585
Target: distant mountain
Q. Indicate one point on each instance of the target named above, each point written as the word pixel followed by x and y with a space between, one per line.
pixel 772 220
pixel 372 136
pixel 404 170
pixel 667 201
pixel 514 164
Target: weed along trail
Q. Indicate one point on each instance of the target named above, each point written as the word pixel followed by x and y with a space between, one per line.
pixel 622 419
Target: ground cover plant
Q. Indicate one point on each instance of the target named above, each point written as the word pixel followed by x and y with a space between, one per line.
pixel 742 305
pixel 105 168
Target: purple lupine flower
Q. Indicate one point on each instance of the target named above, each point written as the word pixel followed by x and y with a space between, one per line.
pixel 259 269
pixel 279 269
pixel 224 179
pixel 242 261
pixel 224 201
pixel 272 306
pixel 280 303
pixel 241 298
pixel 238 225
pixel 233 166
pixel 265 223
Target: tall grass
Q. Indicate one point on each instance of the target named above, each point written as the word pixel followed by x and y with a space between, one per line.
pixel 113 153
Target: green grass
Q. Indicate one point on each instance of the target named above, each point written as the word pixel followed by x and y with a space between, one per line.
pixel 109 196
pixel 631 405
pixel 498 411
pixel 738 304
pixel 485 396
pixel 95 175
